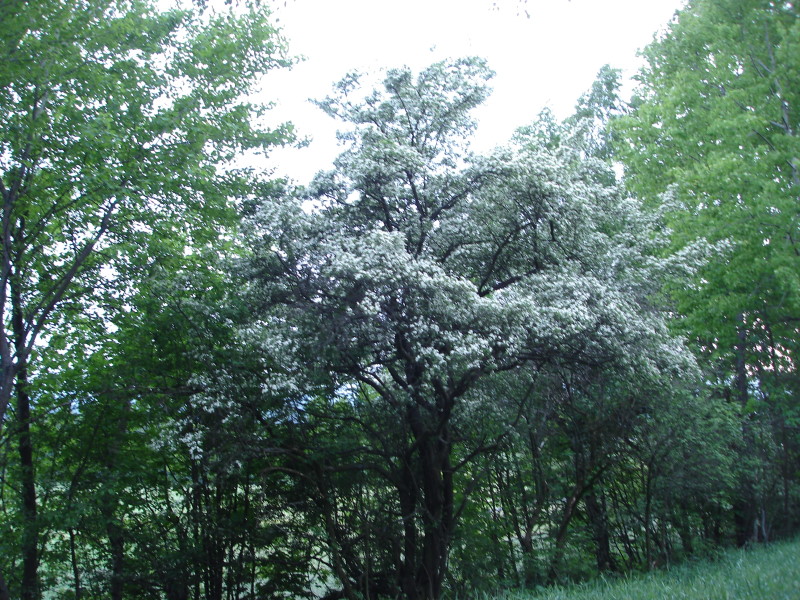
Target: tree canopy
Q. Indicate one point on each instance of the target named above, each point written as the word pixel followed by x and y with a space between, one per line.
pixel 425 276
pixel 428 373
pixel 121 126
pixel 714 128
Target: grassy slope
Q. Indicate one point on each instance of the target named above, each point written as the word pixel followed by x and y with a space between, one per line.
pixel 770 573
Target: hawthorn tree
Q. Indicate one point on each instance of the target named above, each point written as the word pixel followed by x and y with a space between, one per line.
pixel 418 278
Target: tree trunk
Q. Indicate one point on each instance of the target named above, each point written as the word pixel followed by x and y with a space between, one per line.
pixel 648 501
pixel 76 573
pixel 561 535
pixel 116 542
pixel 495 539
pixel 213 550
pixel 408 503
pixel 109 507
pixel 744 507
pixel 437 515
pixel 29 585
pixel 4 594
pixel 598 517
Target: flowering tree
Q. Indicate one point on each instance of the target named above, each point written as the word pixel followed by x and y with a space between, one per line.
pixel 424 277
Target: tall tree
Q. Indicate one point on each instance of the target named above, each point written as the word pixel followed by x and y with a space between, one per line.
pixel 426 275
pixel 716 127
pixel 120 124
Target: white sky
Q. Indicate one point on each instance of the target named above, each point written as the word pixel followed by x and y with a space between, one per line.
pixel 548 58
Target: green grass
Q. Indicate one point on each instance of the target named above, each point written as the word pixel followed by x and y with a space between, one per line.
pixel 768 573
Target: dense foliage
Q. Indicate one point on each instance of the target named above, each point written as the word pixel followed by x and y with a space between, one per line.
pixel 120 127
pixel 715 127
pixel 447 295
pixel 428 373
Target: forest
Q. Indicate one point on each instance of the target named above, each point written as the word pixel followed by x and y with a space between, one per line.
pixel 426 374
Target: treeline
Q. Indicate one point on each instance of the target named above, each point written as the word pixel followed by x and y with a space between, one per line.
pixel 427 373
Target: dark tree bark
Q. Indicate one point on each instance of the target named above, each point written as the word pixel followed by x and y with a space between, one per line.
pixel 598 517
pixel 109 506
pixel 29 585
pixel 4 595
pixel 435 488
pixel 568 513
pixel 744 508
pixel 76 572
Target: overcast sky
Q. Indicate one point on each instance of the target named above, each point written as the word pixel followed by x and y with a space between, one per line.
pixel 545 58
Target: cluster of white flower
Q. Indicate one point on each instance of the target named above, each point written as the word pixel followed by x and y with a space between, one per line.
pixel 193 440
pixel 425 267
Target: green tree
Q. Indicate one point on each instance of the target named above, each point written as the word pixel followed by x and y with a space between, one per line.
pixel 715 128
pixel 120 126
pixel 160 458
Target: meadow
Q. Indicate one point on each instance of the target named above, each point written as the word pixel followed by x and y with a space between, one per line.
pixel 763 573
